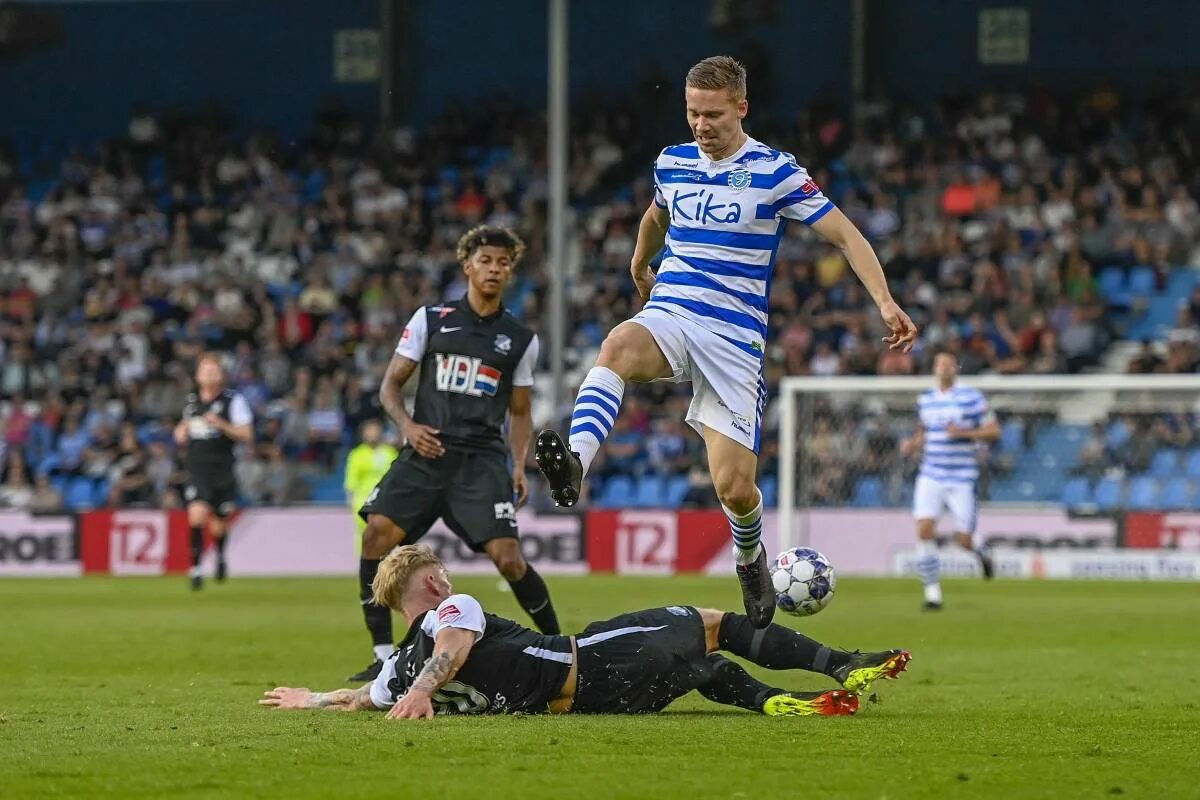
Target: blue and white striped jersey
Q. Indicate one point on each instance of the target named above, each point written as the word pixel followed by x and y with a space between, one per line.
pixel 946 459
pixel 727 218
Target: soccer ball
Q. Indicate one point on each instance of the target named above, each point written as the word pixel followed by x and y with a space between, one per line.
pixel 804 581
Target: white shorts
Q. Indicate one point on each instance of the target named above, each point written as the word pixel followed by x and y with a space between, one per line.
pixel 931 496
pixel 728 389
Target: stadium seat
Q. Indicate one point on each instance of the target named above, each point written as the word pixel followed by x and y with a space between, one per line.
pixel 1108 494
pixel 868 492
pixel 651 492
pixel 618 492
pixel 100 490
pixel 79 494
pixel 1112 287
pixel 1012 437
pixel 1192 469
pixel 1077 492
pixel 1181 282
pixel 677 488
pixel 1165 463
pixel 1178 494
pixel 769 486
pixel 1143 494
pixel 1141 282
pixel 328 491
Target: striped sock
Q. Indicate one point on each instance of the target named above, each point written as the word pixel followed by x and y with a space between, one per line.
pixel 747 532
pixel 929 568
pixel 596 409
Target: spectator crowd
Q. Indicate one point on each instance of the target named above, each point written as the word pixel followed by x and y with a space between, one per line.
pixel 121 261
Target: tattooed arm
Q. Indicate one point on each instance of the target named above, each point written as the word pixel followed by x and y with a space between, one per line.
pixel 339 700
pixel 450 651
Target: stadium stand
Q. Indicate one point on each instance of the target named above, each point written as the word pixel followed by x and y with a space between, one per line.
pixel 1027 232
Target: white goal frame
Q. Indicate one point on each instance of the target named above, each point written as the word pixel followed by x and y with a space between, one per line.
pixel 791 387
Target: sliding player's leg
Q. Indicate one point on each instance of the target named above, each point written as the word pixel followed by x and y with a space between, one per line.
pixel 731 685
pixel 633 351
pixel 777 647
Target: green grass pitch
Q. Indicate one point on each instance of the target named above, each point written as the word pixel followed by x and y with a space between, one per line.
pixel 138 688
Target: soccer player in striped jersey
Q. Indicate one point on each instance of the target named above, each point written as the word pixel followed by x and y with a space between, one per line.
pixel 953 421
pixel 721 203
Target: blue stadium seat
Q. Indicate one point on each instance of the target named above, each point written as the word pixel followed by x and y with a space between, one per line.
pixel 1012 437
pixel 100 490
pixel 868 492
pixel 1165 463
pixel 1077 492
pixel 1178 494
pixel 769 486
pixel 79 494
pixel 1117 435
pixel 677 487
pixel 651 492
pixel 47 465
pixel 1192 469
pixel 1143 493
pixel 1107 495
pixel 1111 281
pixel 1141 281
pixel 328 490
pixel 1181 282
pixel 618 492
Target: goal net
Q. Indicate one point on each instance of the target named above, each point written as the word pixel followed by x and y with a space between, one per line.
pixel 1080 459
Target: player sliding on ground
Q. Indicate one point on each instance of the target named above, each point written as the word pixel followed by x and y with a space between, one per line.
pixel 720 206
pixel 459 659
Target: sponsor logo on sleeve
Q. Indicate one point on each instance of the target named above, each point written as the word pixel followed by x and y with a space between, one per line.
pixel 448 613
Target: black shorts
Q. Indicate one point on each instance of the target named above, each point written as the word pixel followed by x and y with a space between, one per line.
pixel 219 492
pixel 471 492
pixel 640 663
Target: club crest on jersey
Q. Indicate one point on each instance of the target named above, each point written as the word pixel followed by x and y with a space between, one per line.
pixel 739 180
pixel 503 343
pixel 466 375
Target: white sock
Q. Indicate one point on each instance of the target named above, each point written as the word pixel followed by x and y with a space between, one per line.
pixel 747 532
pixel 596 409
pixel 382 651
pixel 929 568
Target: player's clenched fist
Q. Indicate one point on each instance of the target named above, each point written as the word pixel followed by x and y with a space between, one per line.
pixel 424 439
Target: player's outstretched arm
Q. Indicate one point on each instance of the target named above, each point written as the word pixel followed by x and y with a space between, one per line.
pixel 652 235
pixel 836 228
pixel 285 697
pixel 450 651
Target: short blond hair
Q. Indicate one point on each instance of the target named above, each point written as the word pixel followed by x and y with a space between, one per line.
pixel 397 570
pixel 719 72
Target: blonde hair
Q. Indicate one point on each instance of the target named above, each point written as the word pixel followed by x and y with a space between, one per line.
pixel 719 72
pixel 396 570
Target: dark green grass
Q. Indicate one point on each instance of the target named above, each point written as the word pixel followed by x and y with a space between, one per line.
pixel 138 688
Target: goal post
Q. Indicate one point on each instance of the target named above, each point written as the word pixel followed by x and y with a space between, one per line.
pixel 1090 444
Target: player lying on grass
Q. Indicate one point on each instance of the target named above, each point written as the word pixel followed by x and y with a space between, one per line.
pixel 458 659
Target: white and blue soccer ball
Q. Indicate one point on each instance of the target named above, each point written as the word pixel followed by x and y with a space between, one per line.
pixel 804 581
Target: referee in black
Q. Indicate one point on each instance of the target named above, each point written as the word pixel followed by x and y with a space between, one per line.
pixel 477 365
pixel 215 420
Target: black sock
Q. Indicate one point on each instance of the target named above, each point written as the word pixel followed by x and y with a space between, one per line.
pixel 733 686
pixel 220 542
pixel 197 544
pixel 777 647
pixel 378 618
pixel 534 597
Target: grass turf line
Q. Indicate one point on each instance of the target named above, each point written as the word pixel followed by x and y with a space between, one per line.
pixel 139 688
